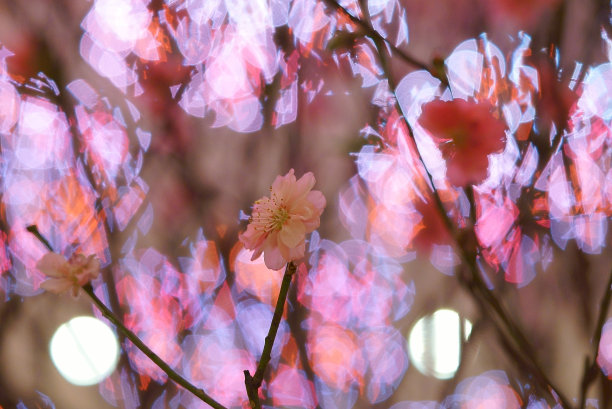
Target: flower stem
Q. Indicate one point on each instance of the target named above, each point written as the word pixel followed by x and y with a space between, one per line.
pixel 252 383
pixel 34 230
pixel 590 368
pixel 172 374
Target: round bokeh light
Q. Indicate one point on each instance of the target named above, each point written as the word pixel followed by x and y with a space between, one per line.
pixel 435 342
pixel 84 350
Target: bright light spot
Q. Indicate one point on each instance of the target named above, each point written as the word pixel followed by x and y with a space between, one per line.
pixel 84 350
pixel 435 343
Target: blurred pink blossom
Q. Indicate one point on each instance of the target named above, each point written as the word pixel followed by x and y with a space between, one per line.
pixel 279 223
pixel 466 133
pixel 69 274
pixel 604 354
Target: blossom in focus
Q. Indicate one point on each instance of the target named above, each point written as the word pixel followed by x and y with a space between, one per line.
pixel 279 223
pixel 69 274
pixel 466 133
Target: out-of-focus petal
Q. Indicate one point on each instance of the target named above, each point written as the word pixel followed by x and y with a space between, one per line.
pixel 466 133
pixel 56 285
pixel 51 264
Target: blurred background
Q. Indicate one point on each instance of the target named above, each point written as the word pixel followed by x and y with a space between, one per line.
pixel 112 144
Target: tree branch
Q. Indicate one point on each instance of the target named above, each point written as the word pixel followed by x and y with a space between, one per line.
pixel 149 353
pixel 252 383
pixel 376 36
pixel 172 374
pixel 475 284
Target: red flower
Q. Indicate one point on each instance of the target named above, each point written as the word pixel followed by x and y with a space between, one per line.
pixel 465 132
pixel 432 230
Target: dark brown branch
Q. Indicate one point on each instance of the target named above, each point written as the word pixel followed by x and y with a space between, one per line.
pixel 252 383
pixel 172 374
pixel 369 31
pixel 474 283
pixel 149 353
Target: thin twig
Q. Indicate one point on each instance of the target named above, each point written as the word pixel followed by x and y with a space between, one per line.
pixel 477 286
pixel 149 353
pixel 590 368
pixel 252 383
pixel 376 36
pixel 172 374
pixel 34 230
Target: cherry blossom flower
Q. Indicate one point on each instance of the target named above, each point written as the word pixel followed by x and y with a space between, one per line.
pixel 465 132
pixel 279 223
pixel 69 274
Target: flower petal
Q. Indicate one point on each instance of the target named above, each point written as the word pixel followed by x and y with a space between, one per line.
pixel 252 238
pixel 292 233
pixel 284 184
pixel 56 285
pixel 317 199
pixel 273 259
pixel 52 264
pixel 279 223
pixel 303 186
pixel 297 252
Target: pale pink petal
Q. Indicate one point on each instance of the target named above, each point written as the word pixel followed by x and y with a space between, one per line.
pixel 84 277
pixel 298 251
pixel 302 187
pixel 56 285
pixel 257 253
pixel 272 242
pixel 292 232
pixel 269 243
pixel 93 267
pixel 317 199
pixel 284 250
pixel 273 259
pixel 284 183
pixel 252 238
pixel 292 253
pixel 89 271
pixel 279 223
pixel 315 209
pixel 52 264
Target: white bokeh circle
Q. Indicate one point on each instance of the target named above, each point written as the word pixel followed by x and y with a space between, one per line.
pixel 84 350
pixel 435 343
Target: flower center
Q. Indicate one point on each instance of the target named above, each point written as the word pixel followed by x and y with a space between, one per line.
pixel 279 217
pixel 459 136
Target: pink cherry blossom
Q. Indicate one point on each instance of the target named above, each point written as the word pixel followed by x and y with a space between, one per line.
pixel 279 223
pixel 466 133
pixel 69 274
